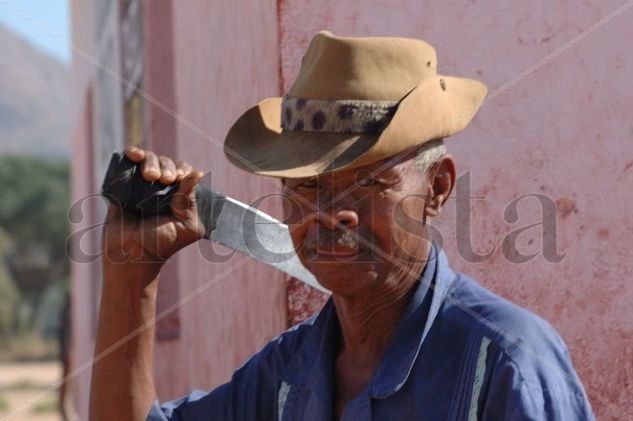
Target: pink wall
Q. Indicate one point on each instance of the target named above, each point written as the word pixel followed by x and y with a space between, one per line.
pixel 82 274
pixel 225 58
pixel 206 63
pixel 82 186
pixel 562 131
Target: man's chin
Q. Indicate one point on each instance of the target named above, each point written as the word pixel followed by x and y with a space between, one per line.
pixel 338 276
pixel 315 257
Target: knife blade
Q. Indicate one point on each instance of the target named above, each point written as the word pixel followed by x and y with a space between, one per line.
pixel 229 222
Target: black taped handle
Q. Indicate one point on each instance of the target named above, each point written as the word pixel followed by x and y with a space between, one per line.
pixel 124 185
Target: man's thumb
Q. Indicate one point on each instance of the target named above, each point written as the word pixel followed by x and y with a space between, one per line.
pixel 185 196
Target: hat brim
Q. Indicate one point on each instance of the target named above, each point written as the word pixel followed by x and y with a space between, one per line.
pixel 440 106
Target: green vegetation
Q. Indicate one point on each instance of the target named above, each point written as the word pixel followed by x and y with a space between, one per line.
pixel 34 268
pixel 21 386
pixel 9 296
pixel 45 406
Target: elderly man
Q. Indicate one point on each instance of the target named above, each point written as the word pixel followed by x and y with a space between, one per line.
pixel 357 143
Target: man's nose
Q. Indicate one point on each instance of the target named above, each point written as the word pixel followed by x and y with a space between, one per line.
pixel 334 219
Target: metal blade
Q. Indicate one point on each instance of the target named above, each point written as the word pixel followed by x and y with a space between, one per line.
pixel 251 232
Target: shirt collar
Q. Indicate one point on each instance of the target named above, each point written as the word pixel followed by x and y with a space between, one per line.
pixel 311 364
pixel 403 349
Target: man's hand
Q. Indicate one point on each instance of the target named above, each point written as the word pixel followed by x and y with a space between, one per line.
pixel 133 242
pixel 134 251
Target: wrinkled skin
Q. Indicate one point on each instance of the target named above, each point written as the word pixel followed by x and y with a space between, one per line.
pixel 133 253
pixel 354 246
pixel 364 234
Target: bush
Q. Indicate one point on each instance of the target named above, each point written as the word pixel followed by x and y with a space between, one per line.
pixel 33 232
pixel 9 296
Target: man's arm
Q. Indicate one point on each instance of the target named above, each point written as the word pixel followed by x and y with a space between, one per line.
pixel 122 379
pixel 134 252
pixel 540 384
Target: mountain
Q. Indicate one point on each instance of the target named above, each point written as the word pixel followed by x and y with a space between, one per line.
pixel 34 99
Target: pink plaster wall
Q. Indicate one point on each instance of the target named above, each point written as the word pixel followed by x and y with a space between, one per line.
pixel 82 274
pixel 82 186
pixel 562 130
pixel 225 58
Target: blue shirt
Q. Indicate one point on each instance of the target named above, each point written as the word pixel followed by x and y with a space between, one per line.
pixel 460 352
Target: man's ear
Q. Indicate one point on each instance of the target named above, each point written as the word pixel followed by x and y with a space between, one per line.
pixel 441 180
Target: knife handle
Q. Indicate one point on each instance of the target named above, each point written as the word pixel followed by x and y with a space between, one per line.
pixel 124 185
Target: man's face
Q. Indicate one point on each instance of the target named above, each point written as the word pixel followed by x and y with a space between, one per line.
pixel 359 228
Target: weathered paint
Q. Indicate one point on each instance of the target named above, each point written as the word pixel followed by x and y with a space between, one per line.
pixel 82 186
pixel 225 58
pixel 82 274
pixel 562 130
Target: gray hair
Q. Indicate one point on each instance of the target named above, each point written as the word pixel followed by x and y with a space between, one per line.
pixel 428 154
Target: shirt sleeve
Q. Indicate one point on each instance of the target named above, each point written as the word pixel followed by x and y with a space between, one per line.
pixel 198 405
pixel 251 393
pixel 539 386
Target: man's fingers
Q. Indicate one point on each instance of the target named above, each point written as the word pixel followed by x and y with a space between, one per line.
pixel 167 170
pixel 135 154
pixel 184 198
pixel 188 184
pixel 182 169
pixel 159 168
pixel 150 167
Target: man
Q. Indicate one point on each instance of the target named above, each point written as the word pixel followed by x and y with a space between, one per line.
pixel 357 143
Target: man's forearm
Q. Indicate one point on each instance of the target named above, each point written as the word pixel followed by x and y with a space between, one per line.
pixel 122 378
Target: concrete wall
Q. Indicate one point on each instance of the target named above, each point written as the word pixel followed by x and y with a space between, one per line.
pixel 82 186
pixel 562 130
pixel 225 58
pixel 556 124
pixel 82 341
pixel 207 63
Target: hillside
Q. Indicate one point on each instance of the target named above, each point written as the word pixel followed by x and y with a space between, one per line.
pixel 34 99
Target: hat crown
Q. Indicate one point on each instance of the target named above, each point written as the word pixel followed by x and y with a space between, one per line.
pixel 368 68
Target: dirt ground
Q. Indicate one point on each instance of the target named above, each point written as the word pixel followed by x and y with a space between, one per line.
pixel 21 384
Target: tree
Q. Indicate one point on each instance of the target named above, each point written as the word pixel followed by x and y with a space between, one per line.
pixel 34 201
pixel 9 296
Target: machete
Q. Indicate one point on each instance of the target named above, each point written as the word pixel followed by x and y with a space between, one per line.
pixel 227 221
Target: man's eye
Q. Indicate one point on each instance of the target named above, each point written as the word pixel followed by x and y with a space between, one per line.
pixel 367 181
pixel 309 184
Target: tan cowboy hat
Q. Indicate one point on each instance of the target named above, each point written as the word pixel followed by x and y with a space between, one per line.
pixel 354 102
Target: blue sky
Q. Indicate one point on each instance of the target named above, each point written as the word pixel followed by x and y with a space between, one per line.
pixel 53 14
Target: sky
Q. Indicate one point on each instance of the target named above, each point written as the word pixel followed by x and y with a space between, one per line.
pixel 53 14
